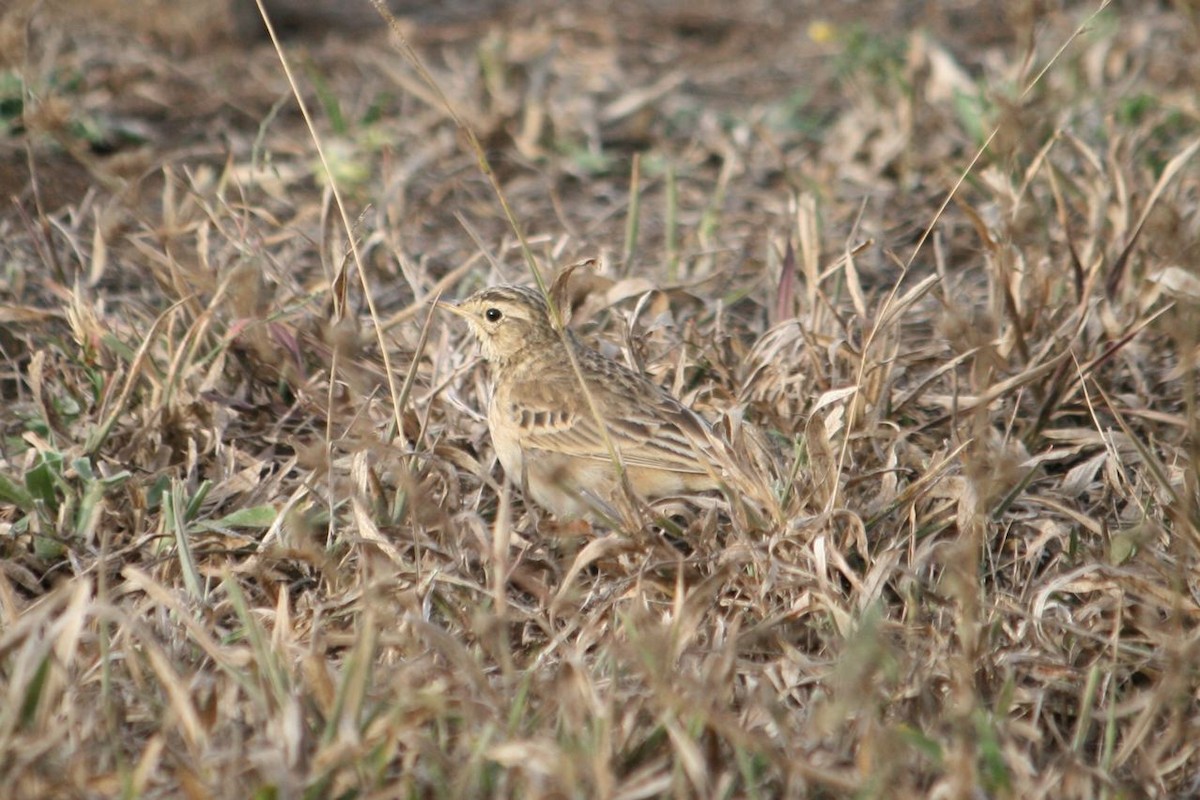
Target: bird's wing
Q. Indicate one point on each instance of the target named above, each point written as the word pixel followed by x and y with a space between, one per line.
pixel 654 431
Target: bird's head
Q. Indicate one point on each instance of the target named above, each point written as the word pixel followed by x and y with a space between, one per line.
pixel 506 320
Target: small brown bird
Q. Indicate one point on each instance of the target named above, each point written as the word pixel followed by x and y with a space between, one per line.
pixel 546 432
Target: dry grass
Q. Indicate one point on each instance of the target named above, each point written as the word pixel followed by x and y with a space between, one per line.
pixel 236 560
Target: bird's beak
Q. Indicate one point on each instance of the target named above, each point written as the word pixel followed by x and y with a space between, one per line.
pixel 452 308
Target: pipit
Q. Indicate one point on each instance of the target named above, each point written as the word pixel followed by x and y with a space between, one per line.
pixel 545 429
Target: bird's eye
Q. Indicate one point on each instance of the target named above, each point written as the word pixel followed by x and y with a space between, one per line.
pixel 493 315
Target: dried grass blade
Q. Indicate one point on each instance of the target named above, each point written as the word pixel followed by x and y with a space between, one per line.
pixel 1168 174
